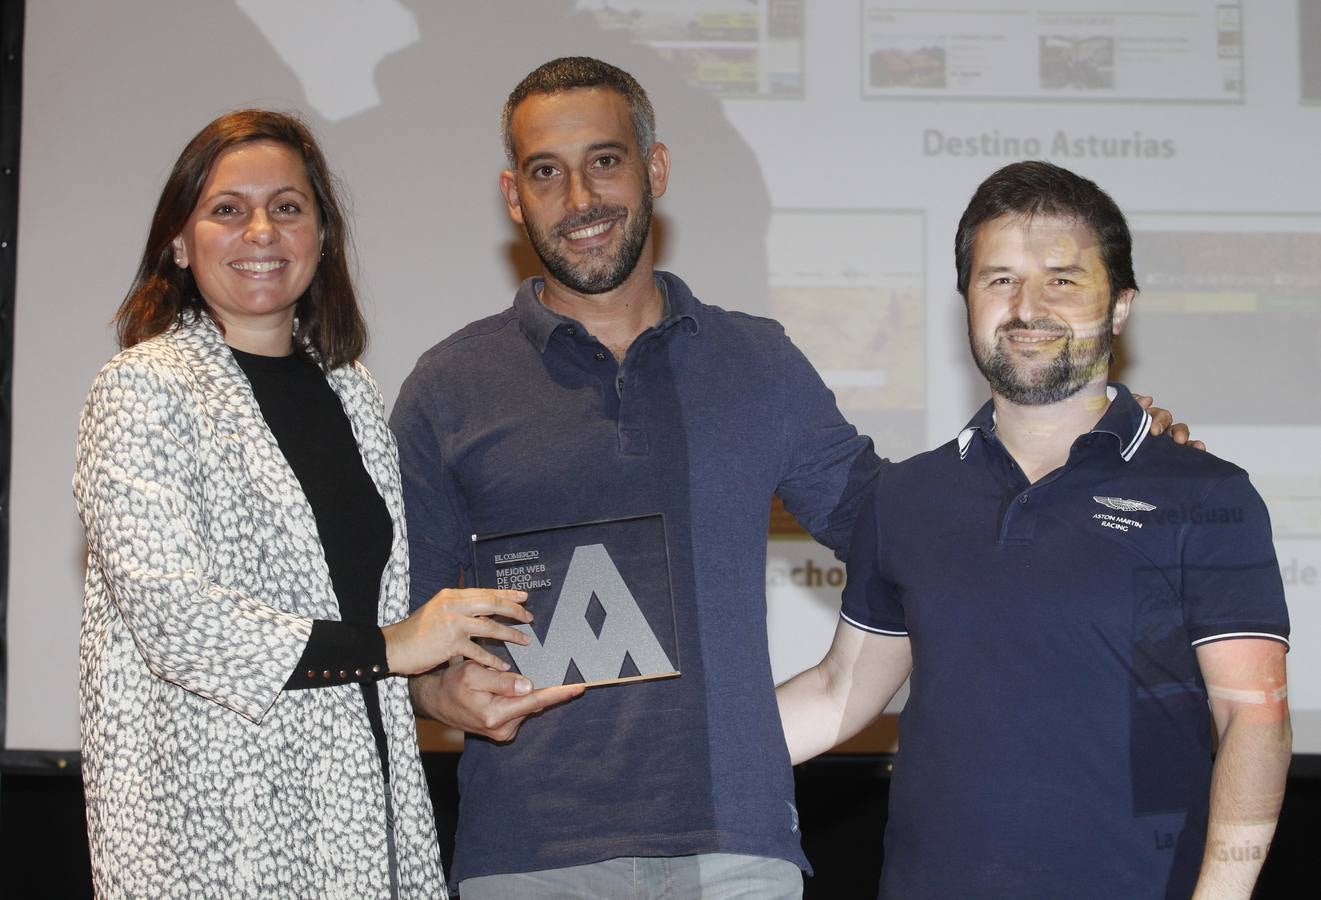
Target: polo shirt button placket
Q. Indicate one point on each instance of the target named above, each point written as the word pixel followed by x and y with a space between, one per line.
pixel 1018 527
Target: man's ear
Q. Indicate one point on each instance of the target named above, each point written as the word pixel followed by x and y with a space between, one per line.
pixel 658 168
pixel 1123 306
pixel 509 190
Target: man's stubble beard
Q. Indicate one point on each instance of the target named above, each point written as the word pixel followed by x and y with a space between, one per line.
pixel 1063 377
pixel 597 280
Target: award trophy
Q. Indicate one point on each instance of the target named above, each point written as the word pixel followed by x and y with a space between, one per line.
pixel 600 594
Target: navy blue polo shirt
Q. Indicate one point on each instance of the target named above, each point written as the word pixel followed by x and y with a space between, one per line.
pixel 1057 740
pixel 525 421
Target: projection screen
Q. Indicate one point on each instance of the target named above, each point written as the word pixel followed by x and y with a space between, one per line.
pixel 822 153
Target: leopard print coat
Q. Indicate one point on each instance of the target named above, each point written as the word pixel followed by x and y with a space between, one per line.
pixel 203 777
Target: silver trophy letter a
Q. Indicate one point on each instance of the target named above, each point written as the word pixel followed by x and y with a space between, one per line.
pixel 570 638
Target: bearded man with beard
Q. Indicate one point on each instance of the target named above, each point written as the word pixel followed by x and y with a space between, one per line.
pixel 1073 637
pixel 607 391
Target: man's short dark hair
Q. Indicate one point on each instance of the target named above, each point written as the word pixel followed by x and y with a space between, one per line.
pixel 570 72
pixel 1035 188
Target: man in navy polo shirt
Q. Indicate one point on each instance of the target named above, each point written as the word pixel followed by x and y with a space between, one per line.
pixel 608 390
pixel 1077 602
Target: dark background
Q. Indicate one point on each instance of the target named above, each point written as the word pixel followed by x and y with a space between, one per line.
pixel 841 799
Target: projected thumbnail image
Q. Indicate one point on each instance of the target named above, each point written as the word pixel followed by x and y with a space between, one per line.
pixel 1309 50
pixel 919 67
pixel 722 70
pixel 1229 42
pixel 680 21
pixel 868 342
pixel 1163 50
pixel 1244 311
pixel 849 288
pixel 1085 64
pixel 752 48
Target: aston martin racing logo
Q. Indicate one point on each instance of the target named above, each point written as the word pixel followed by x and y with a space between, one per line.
pixel 1123 505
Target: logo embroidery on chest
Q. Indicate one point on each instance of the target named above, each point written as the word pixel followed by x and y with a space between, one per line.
pixel 1120 504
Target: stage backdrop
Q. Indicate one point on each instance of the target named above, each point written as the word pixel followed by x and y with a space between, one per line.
pixel 822 154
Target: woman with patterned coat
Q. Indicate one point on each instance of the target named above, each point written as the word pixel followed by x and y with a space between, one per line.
pixel 246 594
